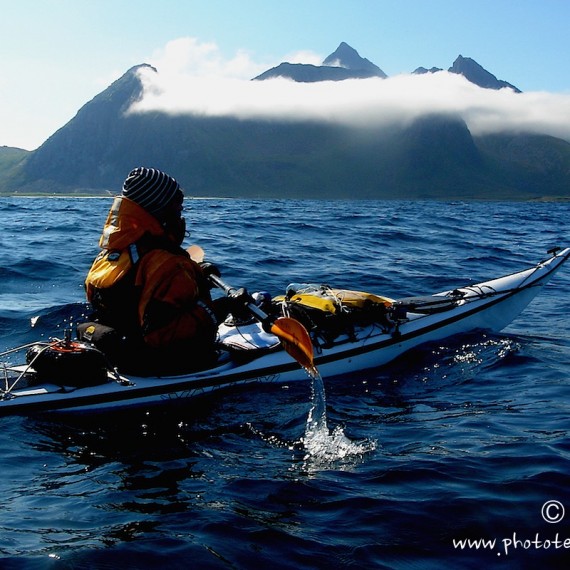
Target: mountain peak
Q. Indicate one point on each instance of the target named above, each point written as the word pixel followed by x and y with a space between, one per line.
pixel 477 74
pixel 343 63
pixel 347 57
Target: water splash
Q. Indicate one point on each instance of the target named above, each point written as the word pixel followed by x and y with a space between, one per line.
pixel 321 445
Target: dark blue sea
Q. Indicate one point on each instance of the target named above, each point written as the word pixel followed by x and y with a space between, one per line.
pixel 455 456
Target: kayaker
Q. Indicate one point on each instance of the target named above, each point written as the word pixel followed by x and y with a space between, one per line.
pixel 144 285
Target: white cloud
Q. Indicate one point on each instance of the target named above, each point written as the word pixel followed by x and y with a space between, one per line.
pixel 189 57
pixel 194 78
pixel 304 56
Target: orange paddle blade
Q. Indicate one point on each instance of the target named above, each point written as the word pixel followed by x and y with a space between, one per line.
pixel 295 340
pixel 196 253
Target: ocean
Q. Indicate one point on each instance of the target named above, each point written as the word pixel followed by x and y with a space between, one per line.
pixel 455 456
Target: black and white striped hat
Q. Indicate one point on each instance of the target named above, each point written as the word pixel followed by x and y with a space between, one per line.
pixel 150 188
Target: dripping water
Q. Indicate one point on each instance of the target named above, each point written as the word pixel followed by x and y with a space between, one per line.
pixel 322 445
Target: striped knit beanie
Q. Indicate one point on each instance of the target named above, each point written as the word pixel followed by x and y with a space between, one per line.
pixel 150 188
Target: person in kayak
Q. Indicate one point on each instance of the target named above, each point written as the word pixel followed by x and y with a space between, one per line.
pixel 144 285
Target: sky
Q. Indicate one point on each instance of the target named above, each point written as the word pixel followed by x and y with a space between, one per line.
pixel 56 55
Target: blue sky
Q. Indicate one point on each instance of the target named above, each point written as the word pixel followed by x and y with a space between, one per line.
pixel 59 54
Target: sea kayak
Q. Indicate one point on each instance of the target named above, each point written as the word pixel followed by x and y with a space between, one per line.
pixel 350 332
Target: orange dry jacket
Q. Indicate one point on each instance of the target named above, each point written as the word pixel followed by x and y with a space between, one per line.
pixel 171 295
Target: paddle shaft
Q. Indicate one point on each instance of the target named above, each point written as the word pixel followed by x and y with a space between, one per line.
pixel 197 254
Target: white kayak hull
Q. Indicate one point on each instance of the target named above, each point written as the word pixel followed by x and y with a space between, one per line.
pixel 488 306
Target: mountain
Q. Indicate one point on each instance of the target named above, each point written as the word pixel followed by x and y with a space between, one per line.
pixel 346 63
pixel 348 58
pixel 86 154
pixel 343 63
pixel 475 73
pixel 434 157
pixel 423 70
pixel 11 160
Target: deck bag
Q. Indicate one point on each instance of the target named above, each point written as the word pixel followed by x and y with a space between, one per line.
pixel 104 338
pixel 68 363
pixel 328 313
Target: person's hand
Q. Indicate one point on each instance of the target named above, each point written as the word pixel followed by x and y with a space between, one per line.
pixel 240 297
pixel 261 298
pixel 209 269
pixel 235 303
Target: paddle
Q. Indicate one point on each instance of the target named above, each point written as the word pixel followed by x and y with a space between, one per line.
pixel 291 333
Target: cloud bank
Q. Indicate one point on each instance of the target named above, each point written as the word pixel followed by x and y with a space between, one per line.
pixel 194 78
